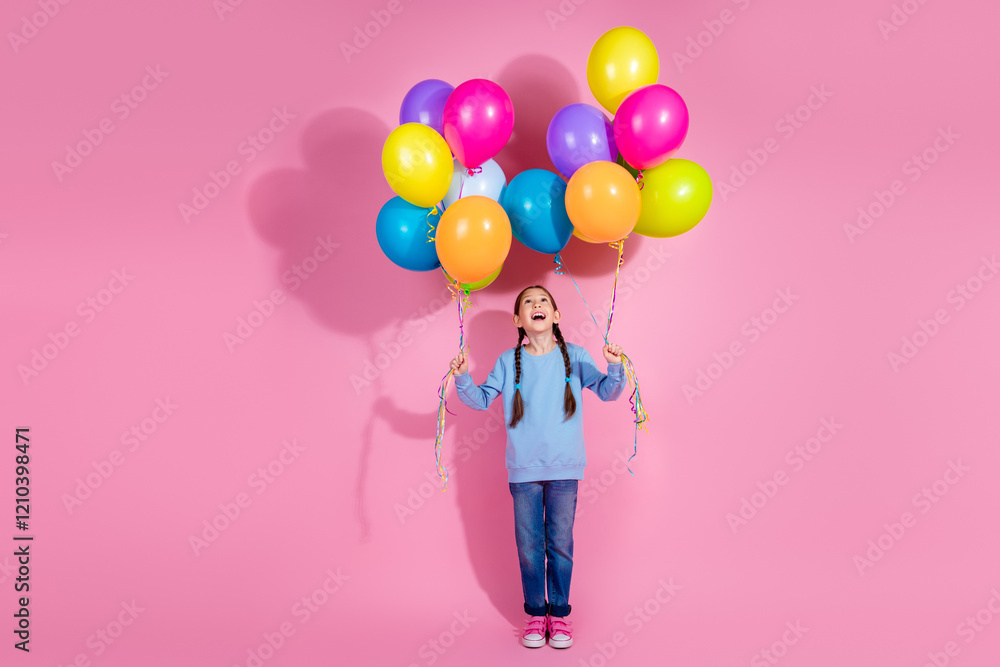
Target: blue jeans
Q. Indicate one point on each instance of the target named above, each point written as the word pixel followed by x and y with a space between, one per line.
pixel 543 528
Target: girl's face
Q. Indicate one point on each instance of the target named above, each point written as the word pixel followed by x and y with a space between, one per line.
pixel 536 313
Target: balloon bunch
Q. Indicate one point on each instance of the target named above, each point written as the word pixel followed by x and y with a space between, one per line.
pixel 667 196
pixel 455 210
pixel 439 163
pixel 623 177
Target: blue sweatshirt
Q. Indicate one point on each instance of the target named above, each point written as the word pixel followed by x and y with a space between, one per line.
pixel 542 446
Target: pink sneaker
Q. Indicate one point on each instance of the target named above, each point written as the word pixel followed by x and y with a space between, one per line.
pixel 534 632
pixel 560 632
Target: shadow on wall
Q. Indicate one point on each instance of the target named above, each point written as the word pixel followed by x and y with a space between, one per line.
pixel 474 452
pixel 334 200
pixel 538 87
pixel 479 453
pixel 321 217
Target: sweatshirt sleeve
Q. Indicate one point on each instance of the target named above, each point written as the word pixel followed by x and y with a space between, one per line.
pixel 479 397
pixel 607 387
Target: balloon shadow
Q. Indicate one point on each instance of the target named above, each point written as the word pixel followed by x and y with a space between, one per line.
pixel 322 219
pixel 538 86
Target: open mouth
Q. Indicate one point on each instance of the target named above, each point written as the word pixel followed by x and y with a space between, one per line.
pixel 537 316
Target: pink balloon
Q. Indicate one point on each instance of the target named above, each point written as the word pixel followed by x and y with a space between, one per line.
pixel 650 126
pixel 478 121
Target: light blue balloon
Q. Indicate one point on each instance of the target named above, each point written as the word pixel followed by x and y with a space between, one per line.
pixel 535 201
pixel 401 228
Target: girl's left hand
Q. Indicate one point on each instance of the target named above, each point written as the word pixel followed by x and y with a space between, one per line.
pixel 613 353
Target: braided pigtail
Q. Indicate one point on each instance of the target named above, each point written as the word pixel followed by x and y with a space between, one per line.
pixel 517 410
pixel 569 401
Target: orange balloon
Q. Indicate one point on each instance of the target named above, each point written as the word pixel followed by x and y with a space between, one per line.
pixel 603 201
pixel 577 234
pixel 473 238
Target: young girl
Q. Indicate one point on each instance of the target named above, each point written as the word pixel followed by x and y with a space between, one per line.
pixel 545 451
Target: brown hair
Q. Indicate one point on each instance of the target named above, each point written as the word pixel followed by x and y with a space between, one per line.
pixel 569 401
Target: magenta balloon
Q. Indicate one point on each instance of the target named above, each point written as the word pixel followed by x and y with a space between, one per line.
pixel 478 121
pixel 650 126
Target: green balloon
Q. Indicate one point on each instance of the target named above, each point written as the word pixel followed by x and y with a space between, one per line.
pixel 479 284
pixel 675 197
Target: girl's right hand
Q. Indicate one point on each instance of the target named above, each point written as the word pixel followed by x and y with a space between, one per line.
pixel 460 364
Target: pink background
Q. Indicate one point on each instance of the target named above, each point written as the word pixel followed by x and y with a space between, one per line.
pixel 438 583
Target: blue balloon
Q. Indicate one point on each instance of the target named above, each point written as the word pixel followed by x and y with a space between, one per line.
pixel 424 103
pixel 535 202
pixel 401 228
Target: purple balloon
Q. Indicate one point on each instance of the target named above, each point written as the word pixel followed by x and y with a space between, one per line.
pixel 424 103
pixel 578 134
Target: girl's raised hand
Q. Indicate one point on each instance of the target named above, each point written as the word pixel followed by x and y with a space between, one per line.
pixel 460 364
pixel 613 353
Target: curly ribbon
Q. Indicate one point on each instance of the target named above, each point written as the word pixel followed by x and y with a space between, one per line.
pixel 460 293
pixel 560 269
pixel 638 179
pixel 635 399
pixel 430 213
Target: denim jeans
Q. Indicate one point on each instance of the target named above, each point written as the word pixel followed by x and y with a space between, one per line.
pixel 543 529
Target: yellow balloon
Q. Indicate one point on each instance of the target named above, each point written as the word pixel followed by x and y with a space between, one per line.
pixel 621 60
pixel 675 197
pixel 417 164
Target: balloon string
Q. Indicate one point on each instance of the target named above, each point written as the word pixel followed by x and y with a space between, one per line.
pixel 562 270
pixel 635 398
pixel 439 439
pixel 638 179
pixel 618 245
pixel 460 293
